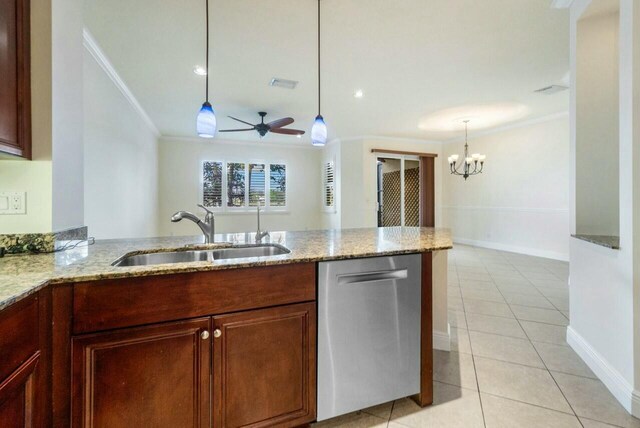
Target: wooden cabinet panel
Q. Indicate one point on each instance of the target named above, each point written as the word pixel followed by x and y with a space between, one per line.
pixel 15 95
pixel 18 335
pixel 145 300
pixel 155 376
pixel 17 396
pixel 265 367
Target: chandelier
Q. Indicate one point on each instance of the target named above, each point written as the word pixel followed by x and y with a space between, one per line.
pixel 469 166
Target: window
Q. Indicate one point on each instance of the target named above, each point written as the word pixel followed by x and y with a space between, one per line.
pixel 235 184
pixel 212 187
pixel 256 184
pixel 329 185
pixel 241 185
pixel 278 185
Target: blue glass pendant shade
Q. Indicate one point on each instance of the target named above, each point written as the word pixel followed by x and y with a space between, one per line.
pixel 319 132
pixel 206 122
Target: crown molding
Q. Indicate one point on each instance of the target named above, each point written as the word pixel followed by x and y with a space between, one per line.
pixel 516 125
pixel 99 56
pixel 384 138
pixel 272 144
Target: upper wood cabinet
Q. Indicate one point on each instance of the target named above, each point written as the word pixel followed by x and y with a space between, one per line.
pixel 15 84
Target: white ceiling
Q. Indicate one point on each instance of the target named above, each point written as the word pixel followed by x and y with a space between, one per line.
pixel 412 59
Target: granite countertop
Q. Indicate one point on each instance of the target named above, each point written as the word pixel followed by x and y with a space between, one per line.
pixel 22 275
pixel 607 241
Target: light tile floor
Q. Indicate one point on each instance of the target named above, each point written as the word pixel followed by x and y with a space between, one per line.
pixel 510 365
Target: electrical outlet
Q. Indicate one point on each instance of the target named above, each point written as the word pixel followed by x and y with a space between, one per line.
pixel 13 203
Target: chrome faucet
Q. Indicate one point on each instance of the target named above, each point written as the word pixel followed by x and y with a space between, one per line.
pixel 259 234
pixel 207 226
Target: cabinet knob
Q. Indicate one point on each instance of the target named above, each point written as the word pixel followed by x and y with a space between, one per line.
pixel 217 332
pixel 204 335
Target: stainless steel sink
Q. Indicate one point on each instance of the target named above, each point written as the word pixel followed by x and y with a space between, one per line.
pixel 263 250
pixel 186 256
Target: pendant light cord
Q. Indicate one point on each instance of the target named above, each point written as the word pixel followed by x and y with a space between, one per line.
pixel 319 58
pixel 207 60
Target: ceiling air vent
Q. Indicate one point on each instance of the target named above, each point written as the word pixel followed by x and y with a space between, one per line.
pixel 283 83
pixel 548 90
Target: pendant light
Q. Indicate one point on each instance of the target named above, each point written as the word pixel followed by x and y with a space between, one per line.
pixel 319 129
pixel 206 121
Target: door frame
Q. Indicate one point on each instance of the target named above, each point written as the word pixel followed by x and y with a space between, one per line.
pixel 402 158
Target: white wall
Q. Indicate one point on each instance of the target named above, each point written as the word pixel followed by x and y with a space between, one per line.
pixel 596 85
pixel 120 162
pixel 67 110
pixel 605 283
pixel 521 201
pixel 357 177
pixel 180 184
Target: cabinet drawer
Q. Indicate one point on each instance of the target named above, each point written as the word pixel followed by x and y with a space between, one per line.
pixel 18 335
pixel 127 302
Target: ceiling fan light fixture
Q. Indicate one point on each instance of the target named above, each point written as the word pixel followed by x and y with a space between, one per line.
pixel 206 122
pixel 319 132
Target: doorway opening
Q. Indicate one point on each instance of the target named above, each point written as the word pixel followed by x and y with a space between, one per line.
pixel 398 190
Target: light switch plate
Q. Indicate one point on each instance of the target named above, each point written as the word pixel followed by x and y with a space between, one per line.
pixel 13 203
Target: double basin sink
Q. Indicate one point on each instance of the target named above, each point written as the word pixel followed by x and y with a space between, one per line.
pixel 187 256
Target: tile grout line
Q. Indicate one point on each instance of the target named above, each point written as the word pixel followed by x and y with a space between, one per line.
pixel 542 360
pixel 473 360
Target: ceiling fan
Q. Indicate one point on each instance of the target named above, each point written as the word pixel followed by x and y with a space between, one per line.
pixel 276 126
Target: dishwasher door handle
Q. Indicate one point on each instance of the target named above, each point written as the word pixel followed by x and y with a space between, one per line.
pixel 384 275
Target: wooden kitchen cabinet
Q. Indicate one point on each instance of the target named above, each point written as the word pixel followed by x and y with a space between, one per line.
pixel 22 389
pixel 264 367
pixel 153 376
pixel 15 92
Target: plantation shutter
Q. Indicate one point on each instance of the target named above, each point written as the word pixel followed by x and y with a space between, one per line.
pixel 329 190
pixel 278 185
pixel 212 184
pixel 257 184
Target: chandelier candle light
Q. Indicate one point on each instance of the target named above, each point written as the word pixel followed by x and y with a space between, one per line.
pixel 469 166
pixel 206 121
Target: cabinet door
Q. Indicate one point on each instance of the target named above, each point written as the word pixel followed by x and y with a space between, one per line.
pixel 154 376
pixel 265 367
pixel 17 396
pixel 15 104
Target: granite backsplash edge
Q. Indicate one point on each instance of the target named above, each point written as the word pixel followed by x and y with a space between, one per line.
pixel 16 243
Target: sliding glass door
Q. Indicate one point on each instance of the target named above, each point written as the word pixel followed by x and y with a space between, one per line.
pixel 398 190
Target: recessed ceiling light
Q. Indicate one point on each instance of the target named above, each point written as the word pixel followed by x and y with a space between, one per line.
pixel 299 135
pixel 200 70
pixel 358 94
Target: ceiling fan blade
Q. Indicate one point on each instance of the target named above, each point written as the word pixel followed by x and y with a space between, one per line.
pixel 286 131
pixel 246 123
pixel 236 130
pixel 280 122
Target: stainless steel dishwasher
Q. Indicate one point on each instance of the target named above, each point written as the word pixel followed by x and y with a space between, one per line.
pixel 368 332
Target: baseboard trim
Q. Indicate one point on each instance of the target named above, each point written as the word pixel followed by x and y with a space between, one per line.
pixel 513 249
pixel 612 379
pixel 442 340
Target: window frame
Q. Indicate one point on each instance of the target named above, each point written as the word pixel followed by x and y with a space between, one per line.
pixel 225 191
